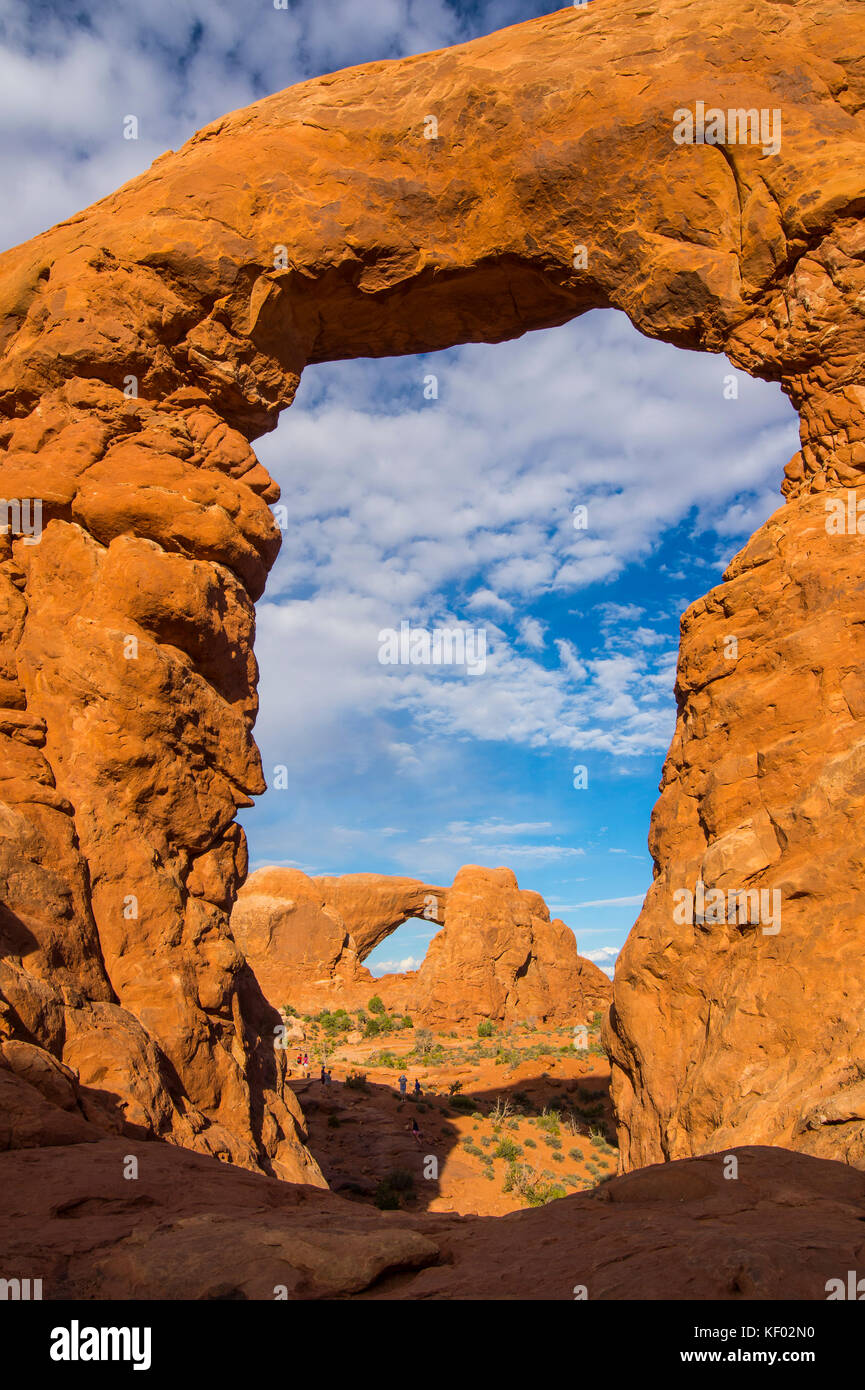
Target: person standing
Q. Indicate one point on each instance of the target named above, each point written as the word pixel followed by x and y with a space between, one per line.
pixel 403 1082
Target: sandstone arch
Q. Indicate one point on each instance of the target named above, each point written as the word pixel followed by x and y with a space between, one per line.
pixel 127 681
pixel 496 955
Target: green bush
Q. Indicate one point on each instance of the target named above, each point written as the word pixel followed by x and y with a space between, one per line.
pixel 385 1198
pixel 529 1185
pixel 486 1028
pixel 506 1148
pixel 387 1193
pixel 461 1104
pixel 384 1058
pixel 376 1005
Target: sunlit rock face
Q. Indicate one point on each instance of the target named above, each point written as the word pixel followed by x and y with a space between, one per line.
pixel 497 956
pixel 147 340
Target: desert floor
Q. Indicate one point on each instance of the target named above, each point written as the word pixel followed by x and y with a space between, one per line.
pixel 529 1122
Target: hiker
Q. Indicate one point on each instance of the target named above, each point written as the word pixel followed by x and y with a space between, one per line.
pixel 416 1131
pixel 327 1077
pixel 306 1064
pixel 403 1082
pixel 417 1089
pixel 300 1059
pixel 323 1077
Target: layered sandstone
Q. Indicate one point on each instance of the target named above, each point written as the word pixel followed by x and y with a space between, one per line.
pixel 148 339
pixel 498 956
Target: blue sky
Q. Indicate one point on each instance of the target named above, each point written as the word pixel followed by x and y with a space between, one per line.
pixel 457 510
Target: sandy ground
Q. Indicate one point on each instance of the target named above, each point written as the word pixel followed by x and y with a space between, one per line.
pixel 547 1113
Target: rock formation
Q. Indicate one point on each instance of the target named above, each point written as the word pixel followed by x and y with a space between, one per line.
pixel 734 1031
pixel 497 956
pixel 197 1229
pixel 148 339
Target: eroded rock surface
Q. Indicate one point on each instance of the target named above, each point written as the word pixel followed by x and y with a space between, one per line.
pixel 736 1031
pixel 148 339
pixel 197 1229
pixel 497 956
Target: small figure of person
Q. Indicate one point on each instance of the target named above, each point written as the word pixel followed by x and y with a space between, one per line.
pixel 415 1131
pixel 306 1064
pixel 403 1082
pixel 417 1090
pixel 327 1078
pixel 300 1059
pixel 323 1076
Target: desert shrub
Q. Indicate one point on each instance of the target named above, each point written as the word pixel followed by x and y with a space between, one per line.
pixel 407 1021
pixel 501 1112
pixel 549 1121
pixel 376 1005
pixel 506 1148
pixel 508 1057
pixel 454 1088
pixel 384 1058
pixel 337 1022
pixel 356 1081
pixel 372 1029
pixel 558 1158
pixel 530 1185
pixel 424 1043
pixel 462 1104
pixel 389 1189
pixel 530 1143
pixel 486 1028
pixel 553 1142
pixel 385 1198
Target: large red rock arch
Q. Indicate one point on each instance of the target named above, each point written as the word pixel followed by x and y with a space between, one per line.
pixel 147 340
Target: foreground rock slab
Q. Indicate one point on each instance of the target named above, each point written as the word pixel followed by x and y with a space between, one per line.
pixel 190 1228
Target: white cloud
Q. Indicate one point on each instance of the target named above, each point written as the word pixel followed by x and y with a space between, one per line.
pixel 395 967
